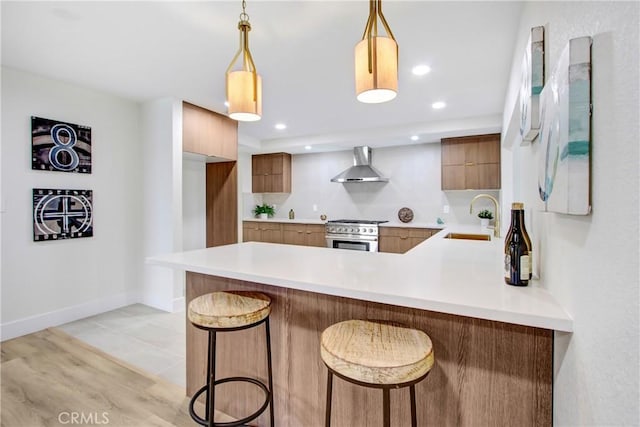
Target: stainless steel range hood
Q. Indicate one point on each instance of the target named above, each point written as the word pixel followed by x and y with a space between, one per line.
pixel 361 171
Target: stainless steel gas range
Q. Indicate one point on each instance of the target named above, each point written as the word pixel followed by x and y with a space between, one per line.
pixel 354 234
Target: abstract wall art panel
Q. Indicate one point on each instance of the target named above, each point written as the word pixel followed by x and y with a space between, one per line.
pixel 62 214
pixel 59 146
pixel 532 84
pixel 564 177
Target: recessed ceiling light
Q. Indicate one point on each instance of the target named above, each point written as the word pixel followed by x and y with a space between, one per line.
pixel 438 105
pixel 307 147
pixel 415 137
pixel 280 126
pixel 421 70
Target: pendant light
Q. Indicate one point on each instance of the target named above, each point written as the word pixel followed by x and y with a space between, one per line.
pixel 244 86
pixel 376 60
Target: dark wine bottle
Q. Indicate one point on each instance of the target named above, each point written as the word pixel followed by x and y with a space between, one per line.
pixel 517 264
pixel 525 235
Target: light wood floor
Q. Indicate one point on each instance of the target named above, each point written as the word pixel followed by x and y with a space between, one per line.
pixel 49 377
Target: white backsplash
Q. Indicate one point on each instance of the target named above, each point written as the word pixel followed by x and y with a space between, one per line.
pixel 414 182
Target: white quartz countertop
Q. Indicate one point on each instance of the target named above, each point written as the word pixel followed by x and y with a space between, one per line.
pixel 318 221
pixel 413 224
pixel 459 277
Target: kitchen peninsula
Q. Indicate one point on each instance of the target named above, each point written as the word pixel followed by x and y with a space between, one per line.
pixel 493 343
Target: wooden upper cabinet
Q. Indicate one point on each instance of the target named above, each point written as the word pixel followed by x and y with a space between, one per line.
pixel 208 133
pixel 271 173
pixel 471 163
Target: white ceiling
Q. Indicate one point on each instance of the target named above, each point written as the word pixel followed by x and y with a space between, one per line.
pixel 302 49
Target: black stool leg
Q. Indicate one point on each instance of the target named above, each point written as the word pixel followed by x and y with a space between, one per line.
pixel 270 372
pixel 327 416
pixel 211 393
pixel 208 377
pixel 412 394
pixel 386 408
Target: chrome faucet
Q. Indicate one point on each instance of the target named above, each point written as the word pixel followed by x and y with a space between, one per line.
pixel 496 226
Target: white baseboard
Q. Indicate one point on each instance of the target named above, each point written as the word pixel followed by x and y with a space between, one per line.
pixel 178 305
pixel 28 325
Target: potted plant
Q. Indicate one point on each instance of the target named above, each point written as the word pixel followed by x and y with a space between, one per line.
pixel 485 216
pixel 264 211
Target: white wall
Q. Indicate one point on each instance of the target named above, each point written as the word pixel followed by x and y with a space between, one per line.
pixel 414 181
pixel 48 283
pixel 591 263
pixel 246 199
pixel 163 287
pixel 194 193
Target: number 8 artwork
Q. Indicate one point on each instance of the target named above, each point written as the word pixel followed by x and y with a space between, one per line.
pixel 59 146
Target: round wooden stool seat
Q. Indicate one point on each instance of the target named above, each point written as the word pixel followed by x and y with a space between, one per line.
pixel 229 309
pixel 377 353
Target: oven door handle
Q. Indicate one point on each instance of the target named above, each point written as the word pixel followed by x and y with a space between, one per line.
pixel 352 237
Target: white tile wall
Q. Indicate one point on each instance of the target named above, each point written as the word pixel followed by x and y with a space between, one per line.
pixel 414 182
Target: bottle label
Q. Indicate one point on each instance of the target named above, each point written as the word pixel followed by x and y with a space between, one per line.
pixel 524 267
pixel 507 266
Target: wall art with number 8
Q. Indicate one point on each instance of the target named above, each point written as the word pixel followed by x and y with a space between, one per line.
pixel 59 146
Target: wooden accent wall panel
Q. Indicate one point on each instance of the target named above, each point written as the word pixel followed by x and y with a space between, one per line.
pixel 222 203
pixel 485 374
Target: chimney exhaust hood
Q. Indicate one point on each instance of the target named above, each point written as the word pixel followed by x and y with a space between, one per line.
pixel 361 171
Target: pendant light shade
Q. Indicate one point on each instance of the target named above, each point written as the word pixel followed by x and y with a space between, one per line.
pixel 244 85
pixel 243 105
pixel 376 60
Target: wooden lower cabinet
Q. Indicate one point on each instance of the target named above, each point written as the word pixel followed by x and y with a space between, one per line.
pixel 304 235
pixel 257 231
pixel 290 234
pixel 399 240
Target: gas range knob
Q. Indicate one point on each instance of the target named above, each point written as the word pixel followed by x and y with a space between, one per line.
pixel 371 230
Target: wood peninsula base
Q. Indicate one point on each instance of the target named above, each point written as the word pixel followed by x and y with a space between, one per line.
pixel 486 373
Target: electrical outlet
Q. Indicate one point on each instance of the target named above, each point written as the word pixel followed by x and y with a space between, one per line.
pixel 315 208
pixel 445 209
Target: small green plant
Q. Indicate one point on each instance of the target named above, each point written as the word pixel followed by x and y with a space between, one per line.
pixel 485 214
pixel 264 209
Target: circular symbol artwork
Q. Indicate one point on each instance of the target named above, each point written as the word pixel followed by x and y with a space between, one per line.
pixel 62 214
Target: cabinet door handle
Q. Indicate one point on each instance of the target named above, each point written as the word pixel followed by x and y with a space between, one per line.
pixel 469 163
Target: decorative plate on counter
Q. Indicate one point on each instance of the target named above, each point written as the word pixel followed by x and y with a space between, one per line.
pixel 405 215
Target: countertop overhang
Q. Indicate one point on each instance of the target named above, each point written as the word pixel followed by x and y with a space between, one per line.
pixel 459 277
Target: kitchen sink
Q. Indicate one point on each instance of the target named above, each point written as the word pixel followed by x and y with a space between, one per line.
pixel 468 236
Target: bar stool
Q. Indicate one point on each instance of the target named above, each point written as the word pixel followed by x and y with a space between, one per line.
pixel 226 312
pixel 376 354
